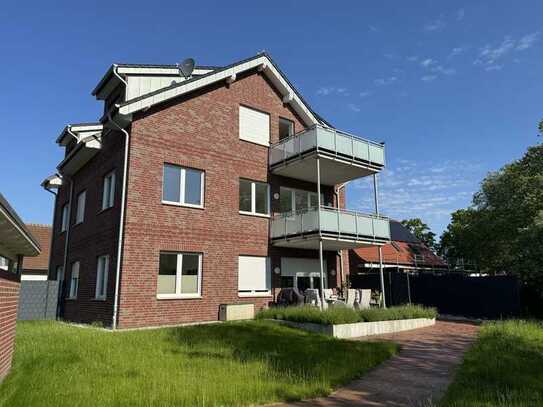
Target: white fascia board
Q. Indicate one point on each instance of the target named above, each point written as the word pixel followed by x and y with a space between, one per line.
pixel 270 71
pixel 85 128
pixel 157 71
pixel 52 181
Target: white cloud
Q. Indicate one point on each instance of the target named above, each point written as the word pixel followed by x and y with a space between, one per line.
pixel 332 90
pixel 456 51
pixel 429 190
pixel 428 78
pixel 373 28
pixel 389 55
pixel 385 81
pixel 443 70
pixel 427 62
pixel 490 55
pixel 527 41
pixel 435 25
pixel 460 14
pixel 413 58
pixel 353 107
pixel 365 94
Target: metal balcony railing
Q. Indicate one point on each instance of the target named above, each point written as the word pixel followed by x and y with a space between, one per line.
pixel 333 221
pixel 331 142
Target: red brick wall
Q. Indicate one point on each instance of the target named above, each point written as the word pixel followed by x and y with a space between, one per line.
pixel 9 297
pixel 200 131
pixel 96 236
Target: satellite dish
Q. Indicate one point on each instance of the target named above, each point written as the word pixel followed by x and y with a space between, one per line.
pixel 186 67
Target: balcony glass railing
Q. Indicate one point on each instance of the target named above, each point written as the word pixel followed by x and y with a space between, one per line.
pixel 341 222
pixel 331 141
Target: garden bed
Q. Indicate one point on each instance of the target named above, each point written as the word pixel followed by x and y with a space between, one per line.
pixel 351 323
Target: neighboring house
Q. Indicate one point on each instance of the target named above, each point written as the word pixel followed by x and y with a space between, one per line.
pixel 37 268
pixel 206 188
pixel 404 253
pixel 16 242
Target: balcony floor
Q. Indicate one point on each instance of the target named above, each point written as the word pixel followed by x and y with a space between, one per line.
pixel 334 170
pixel 329 242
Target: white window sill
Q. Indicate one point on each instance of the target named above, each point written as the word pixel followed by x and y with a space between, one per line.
pixel 178 296
pixel 182 205
pixel 256 295
pixel 258 215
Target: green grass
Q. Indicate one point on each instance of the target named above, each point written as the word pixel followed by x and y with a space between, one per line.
pixel 503 368
pixel 343 315
pixel 232 364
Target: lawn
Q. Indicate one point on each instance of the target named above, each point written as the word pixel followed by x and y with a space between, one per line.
pixel 231 364
pixel 344 315
pixel 503 368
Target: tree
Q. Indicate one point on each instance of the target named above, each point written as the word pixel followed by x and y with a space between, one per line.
pixel 421 231
pixel 540 127
pixel 503 228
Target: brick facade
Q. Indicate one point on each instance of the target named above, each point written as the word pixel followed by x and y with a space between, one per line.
pixel 9 296
pixel 198 131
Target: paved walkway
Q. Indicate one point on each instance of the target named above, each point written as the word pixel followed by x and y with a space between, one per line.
pixel 419 374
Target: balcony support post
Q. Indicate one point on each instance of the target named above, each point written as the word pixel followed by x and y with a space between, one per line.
pixel 320 230
pixel 381 276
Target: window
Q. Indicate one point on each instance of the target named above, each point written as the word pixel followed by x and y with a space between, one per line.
pixel 286 128
pixel 179 275
pixel 296 200
pixel 183 186
pixel 60 273
pixel 108 193
pixel 102 270
pixel 254 276
pixel 80 212
pixel 74 280
pixel 254 126
pixel 64 218
pixel 254 197
pixel 5 264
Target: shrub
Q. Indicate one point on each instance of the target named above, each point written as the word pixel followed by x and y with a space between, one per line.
pixel 342 315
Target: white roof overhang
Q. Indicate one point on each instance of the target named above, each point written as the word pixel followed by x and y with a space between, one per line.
pixel 86 149
pixel 15 239
pixel 78 131
pixel 52 182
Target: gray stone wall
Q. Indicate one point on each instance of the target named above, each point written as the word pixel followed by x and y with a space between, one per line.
pixel 37 300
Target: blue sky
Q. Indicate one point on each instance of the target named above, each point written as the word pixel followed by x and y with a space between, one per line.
pixel 453 88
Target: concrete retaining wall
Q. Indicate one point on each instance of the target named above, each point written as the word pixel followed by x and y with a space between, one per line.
pixel 37 300
pixel 363 328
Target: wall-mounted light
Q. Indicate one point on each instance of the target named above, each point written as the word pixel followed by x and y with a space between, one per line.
pixel 276 195
pixel 277 270
pixel 332 272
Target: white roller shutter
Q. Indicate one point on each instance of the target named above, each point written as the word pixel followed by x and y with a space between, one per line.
pixel 254 274
pixel 254 126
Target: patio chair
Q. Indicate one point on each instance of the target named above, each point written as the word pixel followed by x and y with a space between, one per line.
pixel 312 297
pixel 352 298
pixel 365 298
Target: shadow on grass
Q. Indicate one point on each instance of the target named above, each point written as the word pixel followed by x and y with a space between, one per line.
pixel 289 352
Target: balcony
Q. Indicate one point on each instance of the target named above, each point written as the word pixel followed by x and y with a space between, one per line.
pixel 339 228
pixel 344 157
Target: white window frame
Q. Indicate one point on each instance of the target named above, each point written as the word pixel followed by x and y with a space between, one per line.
pixel 182 187
pixel 80 210
pixel 254 292
pixel 102 273
pixel 74 288
pixel 178 294
pixel 291 126
pixel 64 217
pixel 108 190
pixel 253 199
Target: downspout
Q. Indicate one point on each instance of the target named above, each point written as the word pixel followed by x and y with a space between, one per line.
pixel 68 228
pixel 339 252
pixel 115 67
pixel 121 224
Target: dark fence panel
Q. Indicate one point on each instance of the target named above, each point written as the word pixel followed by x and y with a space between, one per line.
pixel 454 294
pixel 38 300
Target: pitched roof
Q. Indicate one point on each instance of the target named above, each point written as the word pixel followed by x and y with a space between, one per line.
pixel 14 234
pixel 404 249
pixel 262 60
pixel 42 233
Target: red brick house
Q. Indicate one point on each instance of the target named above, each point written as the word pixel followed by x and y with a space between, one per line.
pixel 37 268
pixel 16 243
pixel 206 188
pixel 403 253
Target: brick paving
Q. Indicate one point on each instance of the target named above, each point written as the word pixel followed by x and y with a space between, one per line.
pixel 419 374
